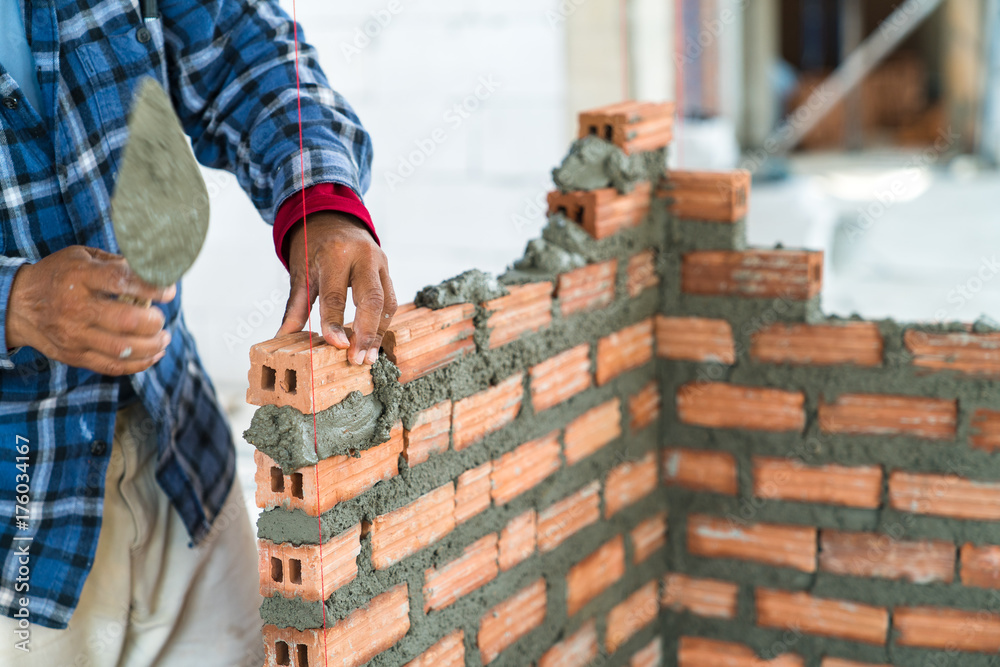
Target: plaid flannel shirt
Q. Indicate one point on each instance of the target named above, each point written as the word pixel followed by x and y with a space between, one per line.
pixel 229 68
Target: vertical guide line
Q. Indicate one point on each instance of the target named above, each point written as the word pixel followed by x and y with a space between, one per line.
pixel 679 77
pixel 312 374
pixel 623 19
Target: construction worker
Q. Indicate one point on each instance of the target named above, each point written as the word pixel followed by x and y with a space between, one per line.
pixel 124 538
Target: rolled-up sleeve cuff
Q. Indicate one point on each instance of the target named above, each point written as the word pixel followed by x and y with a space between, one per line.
pixel 332 197
pixel 9 267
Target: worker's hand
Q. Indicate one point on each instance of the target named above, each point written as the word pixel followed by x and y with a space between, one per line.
pixel 342 254
pixel 65 306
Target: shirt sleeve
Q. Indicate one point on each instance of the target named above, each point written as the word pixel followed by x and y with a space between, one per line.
pixel 332 197
pixel 231 67
pixel 8 269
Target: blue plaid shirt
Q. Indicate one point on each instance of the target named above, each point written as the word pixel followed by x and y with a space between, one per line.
pixel 229 67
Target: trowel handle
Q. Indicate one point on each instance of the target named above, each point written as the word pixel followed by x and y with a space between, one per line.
pixel 142 303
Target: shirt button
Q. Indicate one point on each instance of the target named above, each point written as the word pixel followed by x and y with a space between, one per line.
pixel 143 35
pixel 11 103
pixel 98 447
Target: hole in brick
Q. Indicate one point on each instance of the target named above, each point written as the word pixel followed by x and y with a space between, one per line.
pixel 562 209
pixel 290 381
pixel 281 653
pixel 303 655
pixel 267 377
pixel 277 480
pixel 297 485
pixel 593 129
pixel 609 132
pixel 295 570
pixel 579 215
pixel 276 574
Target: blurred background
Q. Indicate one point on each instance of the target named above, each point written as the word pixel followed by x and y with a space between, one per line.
pixel 872 128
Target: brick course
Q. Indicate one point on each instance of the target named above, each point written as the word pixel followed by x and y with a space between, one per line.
pixel 421 341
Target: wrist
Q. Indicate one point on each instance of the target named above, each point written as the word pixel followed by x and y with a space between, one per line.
pixel 17 324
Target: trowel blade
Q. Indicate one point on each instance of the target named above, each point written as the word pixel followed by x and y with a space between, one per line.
pixel 160 205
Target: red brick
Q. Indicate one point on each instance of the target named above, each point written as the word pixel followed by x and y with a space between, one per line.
pixel 624 350
pixel 699 652
pixel 595 574
pixel 772 544
pixel 309 571
pixel 410 528
pixel 985 430
pixel 878 555
pixel 950 630
pixel 695 339
pixel 650 655
pixel 964 352
pixel 477 416
pixel 703 597
pixel 517 540
pixel 770 274
pixel 511 620
pixel 858 343
pixel 980 565
pixel 649 537
pixel 641 274
pixel 592 430
pixel 700 470
pixel 473 492
pixel 476 567
pixel 875 414
pixel 722 405
pixel 563 376
pixel 340 478
pixel 632 126
pixel 603 212
pixel 944 495
pixel 629 483
pixel 352 642
pixel 420 340
pixel 842 619
pixel 563 519
pixel 429 435
pixel 713 196
pixel 526 309
pixel 577 650
pixel 644 407
pixel 790 479
pixel 631 615
pixel 449 652
pixel 284 372
pixel 524 468
pixel 838 662
pixel 588 288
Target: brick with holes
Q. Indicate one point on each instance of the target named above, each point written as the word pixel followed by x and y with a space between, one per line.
pixel 475 417
pixel 648 537
pixel 472 492
pixel 340 478
pixel 790 479
pixel 351 642
pixel 595 574
pixel 944 495
pixel 407 530
pixel 951 630
pixel 604 212
pixel 449 652
pixel 556 380
pixel 773 544
pixel 631 615
pixel 524 468
pixel 641 273
pixel 632 126
pixel 840 619
pixel 710 598
pixel 795 275
pixel 577 650
pixel 712 196
pixel 644 407
pixel 592 430
pixel 565 518
pixel 858 343
pixel 700 470
pixel 309 571
pixel 528 308
pixel 980 565
pixel 877 414
pixel 517 540
pixel 420 340
pixel 629 483
pixel 283 372
pixel 878 555
pixel 624 350
pixel 964 352
pixel 476 567
pixel 723 405
pixel 701 652
pixel 511 620
pixel 695 339
pixel 588 288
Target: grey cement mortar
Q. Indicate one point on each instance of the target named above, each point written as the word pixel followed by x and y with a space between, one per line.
pixel 473 286
pixel 593 163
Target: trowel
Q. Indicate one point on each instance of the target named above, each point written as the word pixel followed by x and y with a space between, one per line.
pixel 160 208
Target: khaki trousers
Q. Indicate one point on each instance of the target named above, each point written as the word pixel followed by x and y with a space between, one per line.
pixel 150 599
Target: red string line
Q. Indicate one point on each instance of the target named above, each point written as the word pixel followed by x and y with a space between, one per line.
pixel 623 28
pixel 312 374
pixel 679 78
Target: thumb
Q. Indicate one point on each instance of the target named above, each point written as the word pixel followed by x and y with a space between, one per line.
pixel 297 308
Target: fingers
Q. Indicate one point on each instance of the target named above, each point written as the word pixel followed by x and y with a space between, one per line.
pixel 112 275
pixel 369 301
pixel 128 349
pixel 388 310
pixel 121 318
pixel 107 365
pixel 334 278
pixel 297 309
